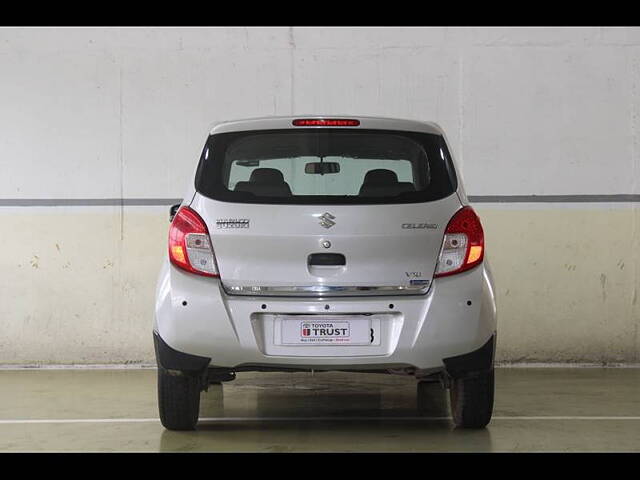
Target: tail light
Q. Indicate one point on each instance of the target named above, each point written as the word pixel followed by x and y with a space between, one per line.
pixel 463 244
pixel 189 244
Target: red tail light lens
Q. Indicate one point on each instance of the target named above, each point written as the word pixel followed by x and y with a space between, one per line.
pixel 325 122
pixel 189 244
pixel 463 244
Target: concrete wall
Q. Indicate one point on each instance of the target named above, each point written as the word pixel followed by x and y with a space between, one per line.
pixel 113 114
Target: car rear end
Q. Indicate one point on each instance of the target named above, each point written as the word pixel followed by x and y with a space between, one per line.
pixel 328 244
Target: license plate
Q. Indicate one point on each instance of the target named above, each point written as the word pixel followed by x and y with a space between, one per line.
pixel 328 331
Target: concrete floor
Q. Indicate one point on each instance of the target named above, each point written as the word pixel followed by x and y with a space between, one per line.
pixel 537 409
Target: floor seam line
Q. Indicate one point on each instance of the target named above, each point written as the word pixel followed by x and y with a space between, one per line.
pixel 291 419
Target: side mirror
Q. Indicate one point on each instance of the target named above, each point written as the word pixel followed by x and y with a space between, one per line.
pixel 173 210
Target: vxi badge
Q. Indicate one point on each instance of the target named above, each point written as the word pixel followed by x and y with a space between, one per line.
pixel 419 225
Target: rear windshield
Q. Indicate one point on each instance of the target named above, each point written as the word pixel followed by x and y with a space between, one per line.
pixel 325 166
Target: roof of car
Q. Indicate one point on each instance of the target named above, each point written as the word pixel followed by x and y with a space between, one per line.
pixel 286 122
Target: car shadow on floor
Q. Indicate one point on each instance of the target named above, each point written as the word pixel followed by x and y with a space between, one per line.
pixel 321 417
pixel 322 400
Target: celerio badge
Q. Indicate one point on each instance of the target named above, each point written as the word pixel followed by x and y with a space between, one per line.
pixel 419 225
pixel 232 223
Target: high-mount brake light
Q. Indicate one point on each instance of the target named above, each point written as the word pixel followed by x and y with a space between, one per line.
pixel 189 244
pixel 325 122
pixel 463 244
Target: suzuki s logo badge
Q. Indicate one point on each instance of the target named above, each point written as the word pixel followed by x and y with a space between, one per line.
pixel 327 220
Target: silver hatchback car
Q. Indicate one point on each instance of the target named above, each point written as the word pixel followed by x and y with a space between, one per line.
pixel 325 243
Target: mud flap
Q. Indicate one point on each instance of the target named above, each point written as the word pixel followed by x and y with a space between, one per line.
pixel 472 363
pixel 170 359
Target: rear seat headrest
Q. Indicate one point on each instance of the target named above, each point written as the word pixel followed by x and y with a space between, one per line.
pixel 380 176
pixel 381 182
pixel 266 175
pixel 267 182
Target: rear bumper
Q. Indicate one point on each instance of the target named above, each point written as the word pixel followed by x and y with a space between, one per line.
pixel 469 364
pixel 444 328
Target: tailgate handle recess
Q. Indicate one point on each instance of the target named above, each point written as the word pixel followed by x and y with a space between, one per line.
pixel 334 259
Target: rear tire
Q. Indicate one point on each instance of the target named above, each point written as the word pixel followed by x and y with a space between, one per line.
pixel 471 400
pixel 178 399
